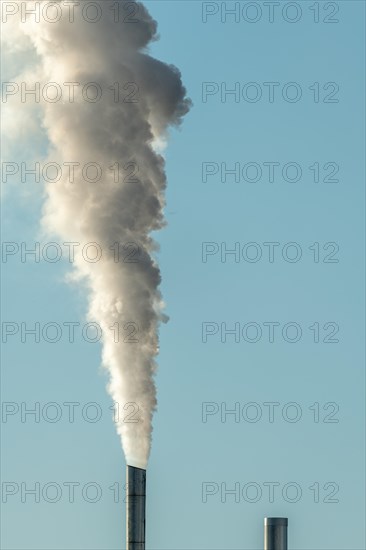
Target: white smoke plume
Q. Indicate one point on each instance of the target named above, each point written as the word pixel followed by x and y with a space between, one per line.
pixel 123 289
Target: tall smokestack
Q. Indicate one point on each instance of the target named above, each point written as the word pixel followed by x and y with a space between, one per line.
pixel 275 533
pixel 135 508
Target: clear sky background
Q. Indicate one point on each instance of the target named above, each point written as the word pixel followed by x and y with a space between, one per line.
pixel 325 453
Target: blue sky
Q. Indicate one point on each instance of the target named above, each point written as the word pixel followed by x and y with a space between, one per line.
pixel 315 465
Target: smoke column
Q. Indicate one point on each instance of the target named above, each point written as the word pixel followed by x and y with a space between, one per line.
pixel 120 136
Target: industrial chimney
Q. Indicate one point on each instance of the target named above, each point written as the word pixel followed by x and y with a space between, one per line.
pixel 275 533
pixel 135 508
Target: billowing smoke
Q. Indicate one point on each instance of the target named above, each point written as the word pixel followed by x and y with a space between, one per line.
pixel 118 199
